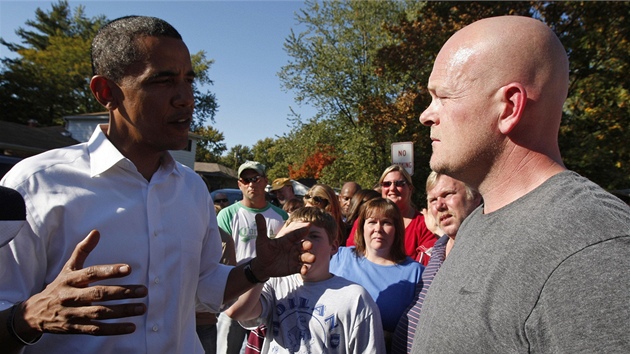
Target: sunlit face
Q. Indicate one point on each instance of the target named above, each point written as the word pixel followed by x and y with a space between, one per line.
pixel 463 124
pixel 449 203
pixel 401 194
pixel 378 232
pixel 252 184
pixel 155 102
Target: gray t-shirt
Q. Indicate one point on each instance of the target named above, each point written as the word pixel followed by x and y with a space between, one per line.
pixel 548 273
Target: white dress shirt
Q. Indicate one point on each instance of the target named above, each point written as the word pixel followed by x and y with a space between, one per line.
pixel 165 229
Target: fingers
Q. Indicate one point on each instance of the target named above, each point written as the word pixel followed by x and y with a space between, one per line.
pixel 87 314
pixel 295 232
pixel 82 250
pixel 98 329
pixel 105 293
pixel 83 277
pixel 261 225
pixel 79 277
pixel 86 319
pixel 305 255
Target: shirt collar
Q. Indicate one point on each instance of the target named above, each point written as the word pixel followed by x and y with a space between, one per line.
pixel 104 156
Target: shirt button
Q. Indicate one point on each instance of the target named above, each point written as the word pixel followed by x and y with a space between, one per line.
pixel 156 280
pixel 155 234
pixel 155 328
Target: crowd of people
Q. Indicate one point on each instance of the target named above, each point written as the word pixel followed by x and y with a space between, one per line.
pixel 512 252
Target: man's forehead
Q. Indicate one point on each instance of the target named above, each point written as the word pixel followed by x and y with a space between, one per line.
pixel 347 191
pixel 446 184
pixel 451 62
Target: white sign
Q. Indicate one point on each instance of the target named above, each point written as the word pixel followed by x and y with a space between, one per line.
pixel 402 154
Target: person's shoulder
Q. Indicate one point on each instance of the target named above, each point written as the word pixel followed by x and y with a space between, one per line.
pixel 583 201
pixel 230 209
pixel 44 162
pixel 345 254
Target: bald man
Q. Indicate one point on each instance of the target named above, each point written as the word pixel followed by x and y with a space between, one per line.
pixel 347 191
pixel 544 265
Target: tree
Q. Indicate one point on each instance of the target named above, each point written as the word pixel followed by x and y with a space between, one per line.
pixel 206 105
pixel 50 76
pixel 210 145
pixel 333 68
pixel 596 125
pixel 237 155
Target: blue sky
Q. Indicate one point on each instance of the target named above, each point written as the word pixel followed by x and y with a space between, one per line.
pixel 245 39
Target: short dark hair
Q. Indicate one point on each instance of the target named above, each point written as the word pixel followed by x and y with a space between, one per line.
pixel 115 46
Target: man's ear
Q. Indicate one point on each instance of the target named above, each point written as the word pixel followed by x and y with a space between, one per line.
pixel 513 97
pixel 103 90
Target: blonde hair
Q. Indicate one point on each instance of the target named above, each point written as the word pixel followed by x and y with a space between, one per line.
pixel 317 217
pixel 403 172
pixel 332 206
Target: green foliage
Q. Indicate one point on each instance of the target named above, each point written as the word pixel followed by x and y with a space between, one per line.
pixel 333 68
pixel 206 105
pixel 596 126
pixel 210 146
pixel 332 61
pixel 237 156
pixel 50 77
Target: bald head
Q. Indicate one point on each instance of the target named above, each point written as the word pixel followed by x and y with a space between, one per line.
pixel 347 192
pixel 513 49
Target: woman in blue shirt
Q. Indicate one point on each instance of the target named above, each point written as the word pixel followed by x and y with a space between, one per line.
pixel 378 261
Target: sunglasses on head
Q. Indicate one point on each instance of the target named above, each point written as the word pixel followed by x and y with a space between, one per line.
pixel 249 180
pixel 222 200
pixel 316 199
pixel 388 184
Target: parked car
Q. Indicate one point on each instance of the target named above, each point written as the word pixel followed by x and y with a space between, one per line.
pixel 233 194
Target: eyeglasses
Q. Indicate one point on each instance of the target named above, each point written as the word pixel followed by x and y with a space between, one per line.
pixel 317 200
pixel 223 200
pixel 387 184
pixel 249 180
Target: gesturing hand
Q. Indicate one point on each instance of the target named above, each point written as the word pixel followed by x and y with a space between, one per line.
pixel 286 254
pixel 65 305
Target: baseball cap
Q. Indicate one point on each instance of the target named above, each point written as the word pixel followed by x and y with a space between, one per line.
pixel 252 165
pixel 280 182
